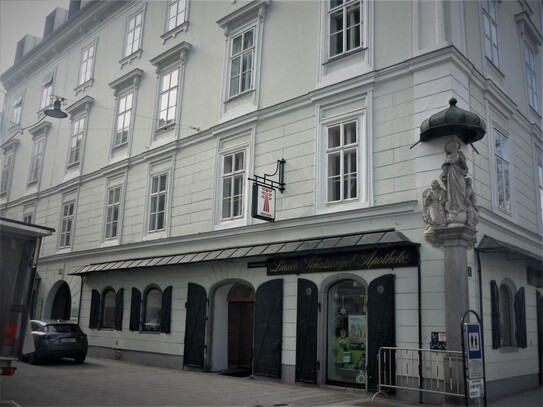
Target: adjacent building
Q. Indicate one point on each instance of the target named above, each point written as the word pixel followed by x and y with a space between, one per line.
pixel 177 109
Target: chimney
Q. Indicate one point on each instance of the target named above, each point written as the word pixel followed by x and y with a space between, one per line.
pixel 24 45
pixel 75 6
pixel 54 21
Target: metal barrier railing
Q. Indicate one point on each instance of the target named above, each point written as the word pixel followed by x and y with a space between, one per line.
pixel 422 370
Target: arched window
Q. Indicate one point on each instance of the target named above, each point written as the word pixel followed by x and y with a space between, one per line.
pixel 152 310
pixel 508 315
pixel 108 309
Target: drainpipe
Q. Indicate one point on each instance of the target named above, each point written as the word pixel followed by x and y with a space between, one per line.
pixel 419 294
pixel 80 298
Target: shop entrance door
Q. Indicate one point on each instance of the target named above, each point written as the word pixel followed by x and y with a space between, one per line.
pixel 62 303
pixel 241 300
pixel 346 334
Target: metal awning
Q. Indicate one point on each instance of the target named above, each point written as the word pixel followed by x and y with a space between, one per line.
pixel 334 244
pixel 491 245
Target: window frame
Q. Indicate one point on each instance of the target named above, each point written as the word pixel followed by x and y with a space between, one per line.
pixel 29 211
pixel 127 111
pixel 343 8
pixel 111 206
pixel 530 75
pixel 36 160
pixel 235 175
pixel 79 116
pixel 67 225
pixel 128 58
pixel 17 111
pixel 145 317
pixel 502 160
pixel 233 55
pixel 8 165
pixel 133 44
pixel 173 59
pixel 180 25
pixel 490 32
pixel 48 85
pixel 86 66
pixel 352 109
pixel 235 141
pixel 77 136
pixel 126 84
pixel 103 309
pixel 171 90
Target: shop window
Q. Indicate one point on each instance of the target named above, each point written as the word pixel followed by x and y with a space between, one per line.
pixel 106 310
pixel 347 333
pixel 157 309
pixel 508 316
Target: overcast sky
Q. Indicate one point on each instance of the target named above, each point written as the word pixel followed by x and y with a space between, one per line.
pixel 18 18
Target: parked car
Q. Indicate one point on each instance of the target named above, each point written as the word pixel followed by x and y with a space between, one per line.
pixel 57 339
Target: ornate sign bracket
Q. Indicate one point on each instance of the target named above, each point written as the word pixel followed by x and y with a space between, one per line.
pixel 279 170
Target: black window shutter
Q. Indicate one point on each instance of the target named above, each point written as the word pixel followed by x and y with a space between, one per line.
pixel 166 314
pixel 520 319
pixel 495 314
pixel 94 317
pixel 135 309
pixel 119 310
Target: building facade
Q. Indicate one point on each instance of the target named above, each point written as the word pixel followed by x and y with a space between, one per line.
pixel 175 108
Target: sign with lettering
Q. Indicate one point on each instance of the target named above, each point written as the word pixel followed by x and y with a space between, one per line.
pixel 355 260
pixel 263 202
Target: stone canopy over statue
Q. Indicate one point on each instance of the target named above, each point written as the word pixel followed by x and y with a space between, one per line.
pixel 450 202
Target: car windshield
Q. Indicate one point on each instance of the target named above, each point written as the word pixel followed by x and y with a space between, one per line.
pixel 66 328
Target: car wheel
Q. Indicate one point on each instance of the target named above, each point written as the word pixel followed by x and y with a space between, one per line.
pixel 80 358
pixel 32 358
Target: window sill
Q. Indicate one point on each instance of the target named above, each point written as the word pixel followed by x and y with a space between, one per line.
pixel 119 147
pixel 240 95
pixel 159 234
pixel 127 60
pixel 164 129
pixel 110 243
pixel 494 69
pixel 72 165
pixel 508 349
pixel 174 31
pixel 344 56
pixel 534 111
pixel 83 86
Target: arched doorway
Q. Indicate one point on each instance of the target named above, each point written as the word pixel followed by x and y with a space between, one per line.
pixel 346 333
pixel 241 301
pixel 62 302
pixel 232 327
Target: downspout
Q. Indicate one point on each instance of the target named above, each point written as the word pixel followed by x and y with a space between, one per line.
pixel 419 294
pixel 80 298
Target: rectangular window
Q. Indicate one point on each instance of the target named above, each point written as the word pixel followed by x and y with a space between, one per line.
pixel 17 111
pixel 7 170
pixel 233 180
pixel 242 55
pixel 36 160
pixel 157 202
pixel 27 218
pixel 490 31
pixel 342 159
pixel 87 64
pixel 168 98
pixel 47 92
pixel 531 83
pixel 113 207
pixel 176 13
pixel 345 26
pixel 124 119
pixel 78 129
pixel 28 214
pixel 66 228
pixel 133 34
pixel 501 155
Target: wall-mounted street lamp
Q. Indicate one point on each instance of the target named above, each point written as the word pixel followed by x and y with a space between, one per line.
pixel 55 111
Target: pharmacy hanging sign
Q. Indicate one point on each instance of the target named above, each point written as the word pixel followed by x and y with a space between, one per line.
pixel 263 202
